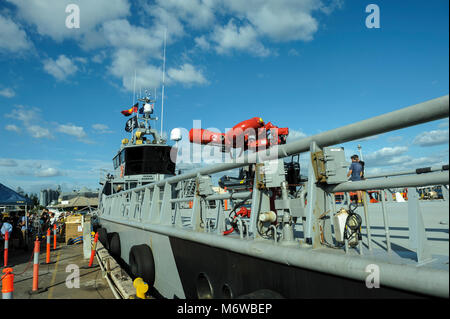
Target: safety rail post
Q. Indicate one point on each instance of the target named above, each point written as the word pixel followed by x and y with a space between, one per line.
pixel 35 289
pixel 7 284
pixel 386 221
pixel 5 253
pixel 47 260
pixel 54 236
pixel 417 233
pixel 94 247
pixel 48 249
pixel 366 215
pixel 37 245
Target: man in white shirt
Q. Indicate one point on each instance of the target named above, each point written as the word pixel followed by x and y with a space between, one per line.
pixel 6 227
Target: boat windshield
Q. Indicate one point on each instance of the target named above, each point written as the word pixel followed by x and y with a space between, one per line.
pixel 148 159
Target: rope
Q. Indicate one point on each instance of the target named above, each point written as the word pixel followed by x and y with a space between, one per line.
pixel 26 268
pixel 28 265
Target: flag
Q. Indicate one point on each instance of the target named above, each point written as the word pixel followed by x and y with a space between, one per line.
pixel 131 124
pixel 134 109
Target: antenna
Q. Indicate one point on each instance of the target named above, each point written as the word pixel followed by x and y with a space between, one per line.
pixel 163 79
pixel 134 88
pixel 360 153
pixel 134 100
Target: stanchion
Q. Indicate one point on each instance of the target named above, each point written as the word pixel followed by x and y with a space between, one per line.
pixel 47 259
pixel 36 289
pixel 54 236
pixel 94 248
pixel 7 284
pixel 5 254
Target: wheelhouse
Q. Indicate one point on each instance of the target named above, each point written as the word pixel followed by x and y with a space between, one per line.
pixel 145 159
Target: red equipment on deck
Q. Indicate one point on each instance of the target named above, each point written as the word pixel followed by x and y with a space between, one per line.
pixel 251 134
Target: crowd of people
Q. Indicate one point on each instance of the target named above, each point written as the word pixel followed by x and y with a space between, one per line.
pixel 21 225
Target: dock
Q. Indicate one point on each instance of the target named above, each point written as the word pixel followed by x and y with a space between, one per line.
pixel 66 277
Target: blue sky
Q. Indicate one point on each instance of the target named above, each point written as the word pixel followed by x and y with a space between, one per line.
pixel 308 65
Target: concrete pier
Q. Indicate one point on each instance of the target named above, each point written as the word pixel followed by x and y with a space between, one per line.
pixel 65 279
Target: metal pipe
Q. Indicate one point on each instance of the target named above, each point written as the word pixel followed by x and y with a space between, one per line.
pixel 385 220
pixel 239 195
pixel 366 216
pixel 439 178
pixel 412 171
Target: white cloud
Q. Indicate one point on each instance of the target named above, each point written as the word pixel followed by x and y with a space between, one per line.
pixel 101 128
pixel 7 162
pixel 28 116
pixel 60 68
pixel 7 92
pixel 29 167
pixel 12 37
pixel 250 26
pixel 49 17
pixel 443 124
pixel 100 57
pixel 48 172
pixel 196 13
pixel 431 138
pixel 125 62
pixel 368 138
pixel 394 139
pixel 39 132
pixel 407 162
pixel 386 156
pixel 187 75
pixel 202 43
pixel 72 130
pixel 242 38
pixel 121 34
pixel 12 128
pixel 31 115
pixel 24 114
pixel 295 135
pixel 280 20
pixel 293 52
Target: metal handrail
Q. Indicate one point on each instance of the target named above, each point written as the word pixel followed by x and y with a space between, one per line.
pixel 413 115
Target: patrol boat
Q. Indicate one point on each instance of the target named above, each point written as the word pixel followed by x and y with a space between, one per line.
pixel 278 234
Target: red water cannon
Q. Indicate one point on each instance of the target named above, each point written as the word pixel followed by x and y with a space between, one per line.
pixel 251 134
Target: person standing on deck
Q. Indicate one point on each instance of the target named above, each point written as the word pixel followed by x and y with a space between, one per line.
pixel 355 173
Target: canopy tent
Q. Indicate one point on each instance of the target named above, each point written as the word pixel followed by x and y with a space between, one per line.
pixel 8 197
